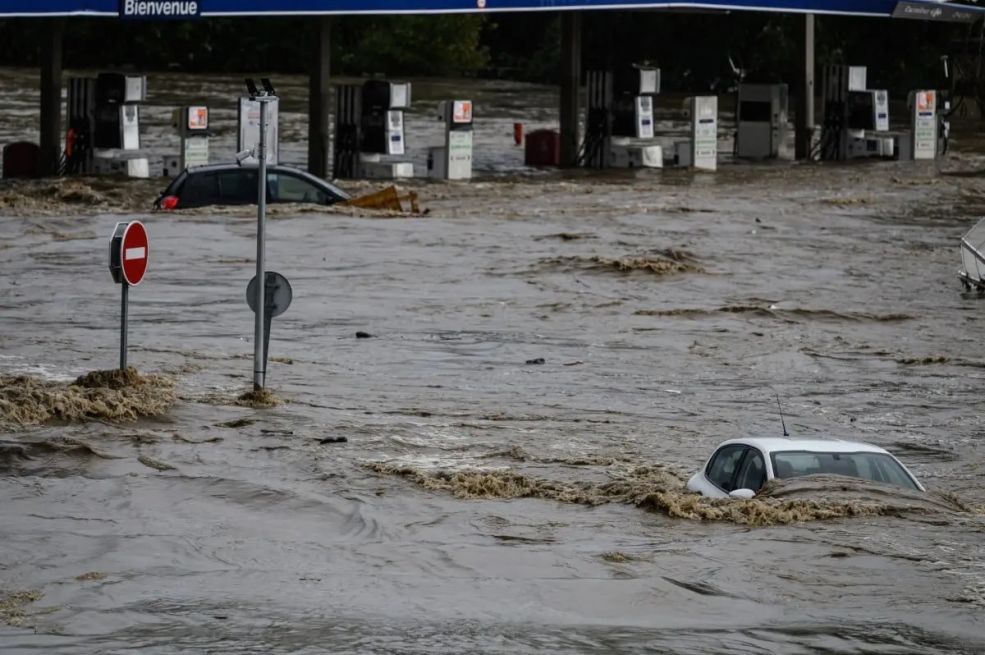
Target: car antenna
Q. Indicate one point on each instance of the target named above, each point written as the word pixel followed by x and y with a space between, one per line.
pixel 780 407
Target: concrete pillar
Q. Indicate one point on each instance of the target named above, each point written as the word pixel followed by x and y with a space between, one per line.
pixel 805 89
pixel 570 81
pixel 51 96
pixel 318 100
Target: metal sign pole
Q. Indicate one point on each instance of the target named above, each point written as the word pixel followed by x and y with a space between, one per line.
pixel 123 325
pixel 259 364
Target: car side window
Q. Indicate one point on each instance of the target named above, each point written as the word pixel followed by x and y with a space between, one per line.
pixel 198 190
pixel 752 475
pixel 283 187
pixel 723 466
pixel 237 187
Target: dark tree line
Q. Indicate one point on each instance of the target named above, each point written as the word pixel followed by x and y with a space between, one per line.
pixel 693 50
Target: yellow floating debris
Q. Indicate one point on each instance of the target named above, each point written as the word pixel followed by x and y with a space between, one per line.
pixel 388 199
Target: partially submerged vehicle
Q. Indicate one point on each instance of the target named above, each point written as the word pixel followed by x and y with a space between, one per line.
pixel 972 271
pixel 740 468
pixel 237 184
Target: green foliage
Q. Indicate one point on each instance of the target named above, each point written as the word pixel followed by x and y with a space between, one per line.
pixel 413 45
pixel 692 50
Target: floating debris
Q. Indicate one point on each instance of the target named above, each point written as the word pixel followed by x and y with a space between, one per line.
pixel 388 199
pixel 116 395
pixel 666 262
pixel 259 399
pixel 155 464
pixel 659 489
pixel 12 606
pixel 237 423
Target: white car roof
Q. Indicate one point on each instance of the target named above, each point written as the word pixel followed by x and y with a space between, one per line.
pixel 775 444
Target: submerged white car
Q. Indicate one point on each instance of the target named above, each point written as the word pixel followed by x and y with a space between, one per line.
pixel 740 467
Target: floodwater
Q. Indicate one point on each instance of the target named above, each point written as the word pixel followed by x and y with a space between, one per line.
pixel 548 358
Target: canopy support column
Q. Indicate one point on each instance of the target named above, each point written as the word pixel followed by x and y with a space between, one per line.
pixel 319 81
pixel 805 89
pixel 51 96
pixel 570 81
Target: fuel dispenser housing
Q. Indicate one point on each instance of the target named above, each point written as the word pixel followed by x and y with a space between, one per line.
pixel 923 116
pixel 856 118
pixel 382 119
pixel 453 161
pixel 633 92
pixel 117 110
pixel 369 125
pixel 104 125
pixel 704 132
pixel 761 117
pixel 81 125
pixel 619 123
pixel 192 125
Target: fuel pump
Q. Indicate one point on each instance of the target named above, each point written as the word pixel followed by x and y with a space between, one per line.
pixel 348 136
pixel 116 124
pixel 923 118
pixel 856 118
pixel 453 161
pixel 761 117
pixel 594 152
pixel 383 105
pixel 118 99
pixel 192 124
pixel 620 119
pixel 81 125
pixel 704 132
pixel 381 127
pixel 632 103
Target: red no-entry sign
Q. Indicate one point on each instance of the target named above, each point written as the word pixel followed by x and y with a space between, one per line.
pixel 128 253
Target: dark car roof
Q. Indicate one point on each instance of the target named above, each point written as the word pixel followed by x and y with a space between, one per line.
pixel 211 168
pixel 272 168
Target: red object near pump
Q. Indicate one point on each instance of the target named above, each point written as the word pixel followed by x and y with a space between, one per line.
pixel 518 133
pixel 21 159
pixel 543 148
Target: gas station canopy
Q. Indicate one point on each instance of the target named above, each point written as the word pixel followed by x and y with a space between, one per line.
pixel 191 9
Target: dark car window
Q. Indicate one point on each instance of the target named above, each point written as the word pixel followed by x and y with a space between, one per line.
pixel 284 187
pixel 723 466
pixel 237 187
pixel 877 467
pixel 199 190
pixel 752 475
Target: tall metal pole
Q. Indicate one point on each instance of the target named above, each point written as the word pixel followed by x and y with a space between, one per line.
pixel 123 325
pixel 570 85
pixel 319 85
pixel 259 361
pixel 51 96
pixel 805 90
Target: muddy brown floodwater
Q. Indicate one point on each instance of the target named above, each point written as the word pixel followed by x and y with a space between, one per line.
pixel 545 360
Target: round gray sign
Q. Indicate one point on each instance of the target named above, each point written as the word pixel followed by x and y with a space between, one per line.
pixel 277 294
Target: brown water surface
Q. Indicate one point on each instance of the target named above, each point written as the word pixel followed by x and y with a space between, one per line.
pixel 483 502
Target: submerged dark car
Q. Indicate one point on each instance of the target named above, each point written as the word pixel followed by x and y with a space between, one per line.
pixel 234 184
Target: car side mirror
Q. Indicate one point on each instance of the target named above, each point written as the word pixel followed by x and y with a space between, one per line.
pixel 742 494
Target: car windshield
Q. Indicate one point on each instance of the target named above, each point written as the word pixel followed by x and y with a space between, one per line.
pixel 877 467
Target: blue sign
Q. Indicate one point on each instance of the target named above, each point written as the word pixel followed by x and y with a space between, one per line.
pixel 172 9
pixel 160 9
